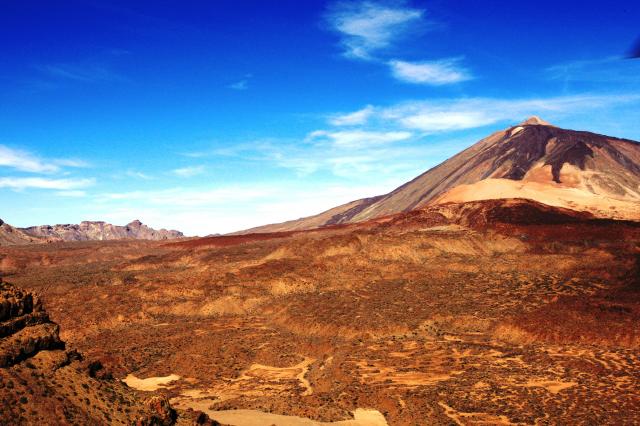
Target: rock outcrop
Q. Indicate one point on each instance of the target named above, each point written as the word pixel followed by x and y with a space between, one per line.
pixel 25 328
pixel 43 383
pixel 10 236
pixel 87 230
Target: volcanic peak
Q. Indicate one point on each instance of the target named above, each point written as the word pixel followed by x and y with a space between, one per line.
pixel 535 120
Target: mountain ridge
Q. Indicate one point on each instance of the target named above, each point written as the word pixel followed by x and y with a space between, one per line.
pixel 84 231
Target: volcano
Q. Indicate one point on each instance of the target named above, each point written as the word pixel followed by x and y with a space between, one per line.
pixel 534 160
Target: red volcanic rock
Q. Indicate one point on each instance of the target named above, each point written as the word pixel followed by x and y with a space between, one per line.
pixel 25 328
pixel 160 413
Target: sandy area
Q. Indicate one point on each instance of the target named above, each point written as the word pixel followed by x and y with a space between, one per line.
pixel 549 193
pixel 151 383
pixel 362 417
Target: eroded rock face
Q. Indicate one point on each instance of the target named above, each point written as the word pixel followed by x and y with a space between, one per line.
pixel 160 413
pixel 43 383
pixel 85 231
pixel 25 328
pixel 14 236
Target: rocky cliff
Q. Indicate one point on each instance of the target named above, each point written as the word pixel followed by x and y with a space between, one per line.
pixel 101 231
pixel 42 383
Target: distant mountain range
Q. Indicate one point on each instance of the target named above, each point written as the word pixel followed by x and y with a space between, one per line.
pixel 534 160
pixel 85 231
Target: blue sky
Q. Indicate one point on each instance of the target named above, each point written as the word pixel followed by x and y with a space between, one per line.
pixel 216 116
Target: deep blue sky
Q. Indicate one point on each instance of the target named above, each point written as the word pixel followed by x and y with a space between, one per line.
pixel 216 116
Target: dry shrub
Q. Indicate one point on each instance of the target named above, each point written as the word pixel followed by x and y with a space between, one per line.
pixel 279 253
pixel 284 286
pixel 411 253
pixel 460 323
pixel 346 250
pixel 230 305
pixel 226 305
pixel 513 334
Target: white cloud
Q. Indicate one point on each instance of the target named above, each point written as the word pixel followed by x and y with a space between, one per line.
pixel 353 118
pixel 367 26
pixel 187 172
pixel 239 85
pixel 73 194
pixel 192 197
pixel 357 138
pixel 435 73
pixel 438 121
pixel 601 70
pixel 24 161
pixel 138 175
pixel 458 114
pixel 82 72
pixel 70 162
pixel 20 183
pixel 242 84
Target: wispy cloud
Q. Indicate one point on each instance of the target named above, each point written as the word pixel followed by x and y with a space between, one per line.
pixel 435 73
pixel 72 194
pixel 369 26
pixel 27 162
pixel 24 161
pixel 189 171
pixel 81 72
pixel 138 175
pixel 370 29
pixel 191 196
pixel 357 138
pixel 242 84
pixel 352 118
pixel 20 183
pixel 70 162
pixel 612 69
pixel 239 85
pixel 100 67
pixel 458 114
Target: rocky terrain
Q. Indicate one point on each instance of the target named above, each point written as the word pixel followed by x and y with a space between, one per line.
pixel 534 160
pixel 41 382
pixel 12 236
pixel 484 312
pixel 87 230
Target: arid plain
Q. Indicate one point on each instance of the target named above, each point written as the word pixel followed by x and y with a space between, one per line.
pixel 488 312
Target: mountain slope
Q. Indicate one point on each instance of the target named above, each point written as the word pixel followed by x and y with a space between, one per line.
pixel 534 159
pixel 10 236
pixel 101 231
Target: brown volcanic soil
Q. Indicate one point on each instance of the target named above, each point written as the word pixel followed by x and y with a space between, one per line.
pixel 493 312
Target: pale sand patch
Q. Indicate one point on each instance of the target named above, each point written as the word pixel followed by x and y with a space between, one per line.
pixel 550 193
pixel 151 383
pixel 362 417
pixel 279 373
pixel 380 374
pixel 516 130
